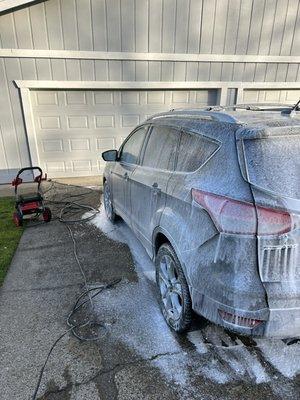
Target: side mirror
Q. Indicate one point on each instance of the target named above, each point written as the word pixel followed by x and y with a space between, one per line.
pixel 110 155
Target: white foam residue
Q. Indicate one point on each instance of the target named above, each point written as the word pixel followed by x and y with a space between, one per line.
pixel 254 366
pixel 214 373
pixel 286 359
pixel 177 375
pixel 196 338
pixel 141 326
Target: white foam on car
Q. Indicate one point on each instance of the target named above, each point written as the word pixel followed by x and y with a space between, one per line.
pixel 143 328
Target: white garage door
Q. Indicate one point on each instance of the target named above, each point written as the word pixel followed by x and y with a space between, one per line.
pixel 73 128
pixel 271 96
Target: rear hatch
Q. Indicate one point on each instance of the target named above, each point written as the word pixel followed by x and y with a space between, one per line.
pixel 270 161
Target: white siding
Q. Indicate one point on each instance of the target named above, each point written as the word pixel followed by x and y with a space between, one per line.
pixel 253 27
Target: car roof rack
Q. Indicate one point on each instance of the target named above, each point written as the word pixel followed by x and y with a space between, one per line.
pixel 284 108
pixel 197 114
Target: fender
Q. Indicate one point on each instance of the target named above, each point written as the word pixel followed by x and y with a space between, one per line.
pixel 168 235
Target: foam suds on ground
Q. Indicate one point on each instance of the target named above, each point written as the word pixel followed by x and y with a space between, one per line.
pixel 141 326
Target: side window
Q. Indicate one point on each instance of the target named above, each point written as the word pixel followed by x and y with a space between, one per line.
pixel 131 148
pixel 161 148
pixel 194 151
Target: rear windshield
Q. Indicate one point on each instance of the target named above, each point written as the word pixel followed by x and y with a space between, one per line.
pixel 274 164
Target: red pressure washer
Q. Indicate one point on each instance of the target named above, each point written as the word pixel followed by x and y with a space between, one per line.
pixel 30 204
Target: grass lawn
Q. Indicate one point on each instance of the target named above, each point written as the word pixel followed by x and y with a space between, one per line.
pixel 9 235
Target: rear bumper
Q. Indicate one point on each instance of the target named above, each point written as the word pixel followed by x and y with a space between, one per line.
pixel 276 323
pixel 284 323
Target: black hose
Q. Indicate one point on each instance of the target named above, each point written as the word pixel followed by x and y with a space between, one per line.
pixel 69 206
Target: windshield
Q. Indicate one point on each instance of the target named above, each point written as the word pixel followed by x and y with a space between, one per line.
pixel 273 163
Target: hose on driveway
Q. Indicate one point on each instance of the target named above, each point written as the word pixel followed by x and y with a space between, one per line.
pixel 66 207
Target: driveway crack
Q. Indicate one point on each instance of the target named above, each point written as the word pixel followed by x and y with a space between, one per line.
pixel 115 368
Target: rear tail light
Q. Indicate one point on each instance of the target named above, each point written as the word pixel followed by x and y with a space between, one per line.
pixel 239 320
pixel 239 217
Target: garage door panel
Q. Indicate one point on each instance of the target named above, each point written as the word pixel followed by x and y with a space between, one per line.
pixel 271 96
pixel 103 97
pixel 74 98
pixel 47 98
pixel 49 122
pixel 50 145
pixel 105 121
pixel 74 127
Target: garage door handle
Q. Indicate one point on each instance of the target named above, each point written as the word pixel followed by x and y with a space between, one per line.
pixel 155 188
pixel 125 176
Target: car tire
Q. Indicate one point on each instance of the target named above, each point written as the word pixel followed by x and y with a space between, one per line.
pixel 108 204
pixel 175 299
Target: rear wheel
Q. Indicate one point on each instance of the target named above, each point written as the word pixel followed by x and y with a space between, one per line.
pixel 17 219
pixel 47 215
pixel 108 205
pixel 175 298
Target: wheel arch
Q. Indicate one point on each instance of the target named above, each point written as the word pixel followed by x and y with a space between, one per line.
pixel 161 236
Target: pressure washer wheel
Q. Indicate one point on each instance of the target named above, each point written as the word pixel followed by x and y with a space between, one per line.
pixel 47 214
pixel 18 221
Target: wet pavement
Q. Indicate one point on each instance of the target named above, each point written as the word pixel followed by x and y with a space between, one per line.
pixel 137 356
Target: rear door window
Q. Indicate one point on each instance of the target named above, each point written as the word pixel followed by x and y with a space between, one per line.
pixel 131 148
pixel 161 148
pixel 194 151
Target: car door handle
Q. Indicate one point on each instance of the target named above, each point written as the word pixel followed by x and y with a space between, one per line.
pixel 155 188
pixel 125 176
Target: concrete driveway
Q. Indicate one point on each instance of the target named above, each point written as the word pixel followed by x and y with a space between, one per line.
pixel 137 356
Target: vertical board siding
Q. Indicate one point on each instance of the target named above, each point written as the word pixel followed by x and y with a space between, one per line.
pixel 113 10
pixel 232 26
pixel 84 20
pixel 263 27
pixel 128 25
pixel 69 24
pixel 180 26
pixel 99 29
pixel 141 26
pixel 219 28
pixel 38 23
pixel 169 15
pixel 20 26
pixel 207 23
pixel 53 16
pixel 195 17
pixel 8 131
pixel 155 25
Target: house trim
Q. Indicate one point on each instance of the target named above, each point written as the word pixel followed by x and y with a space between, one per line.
pixel 132 56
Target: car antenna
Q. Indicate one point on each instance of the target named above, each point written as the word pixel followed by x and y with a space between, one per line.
pixel 292 111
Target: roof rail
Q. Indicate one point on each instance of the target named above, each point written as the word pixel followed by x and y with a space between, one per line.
pixel 254 107
pixel 195 114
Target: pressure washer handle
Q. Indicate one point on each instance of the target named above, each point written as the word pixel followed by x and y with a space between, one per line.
pixel 17 181
pixel 30 169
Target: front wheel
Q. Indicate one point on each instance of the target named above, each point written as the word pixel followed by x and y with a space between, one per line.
pixel 175 297
pixel 108 206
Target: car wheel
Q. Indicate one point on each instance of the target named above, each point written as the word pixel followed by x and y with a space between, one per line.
pixel 108 206
pixel 174 292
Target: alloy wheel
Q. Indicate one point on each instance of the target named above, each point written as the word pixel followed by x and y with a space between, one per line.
pixel 170 288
